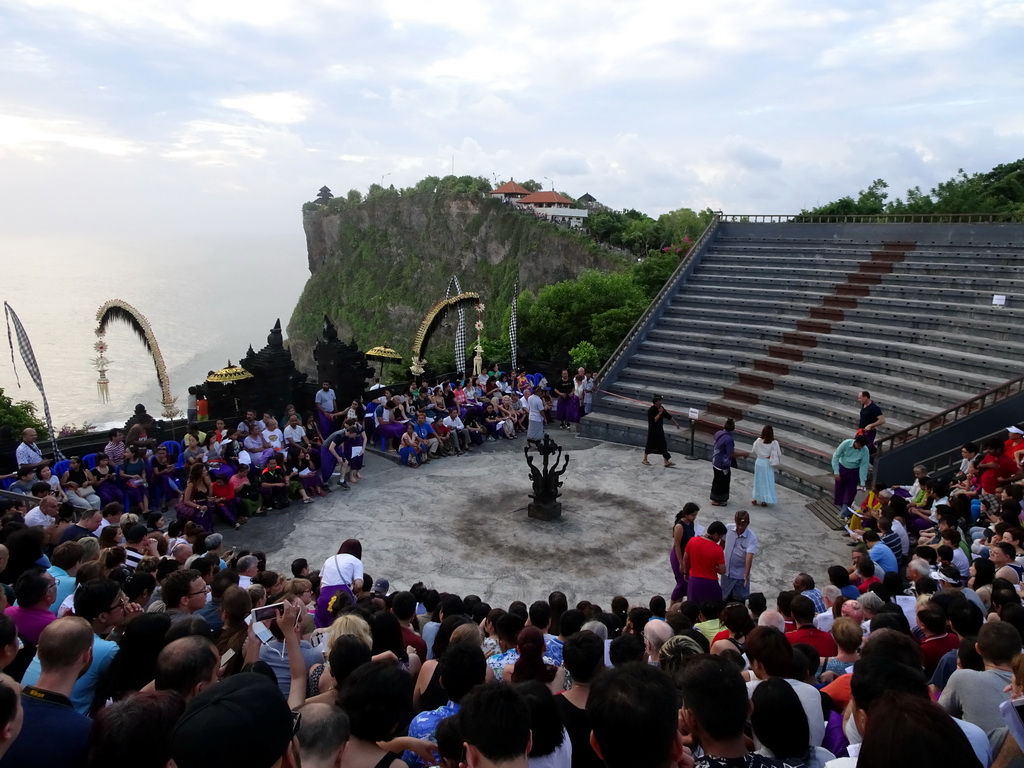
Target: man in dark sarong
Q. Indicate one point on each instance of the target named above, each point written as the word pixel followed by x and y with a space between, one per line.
pixel 656 443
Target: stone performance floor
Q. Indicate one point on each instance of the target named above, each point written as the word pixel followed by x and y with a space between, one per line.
pixel 460 524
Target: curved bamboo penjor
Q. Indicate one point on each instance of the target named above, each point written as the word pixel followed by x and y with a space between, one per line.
pixel 121 311
pixel 430 322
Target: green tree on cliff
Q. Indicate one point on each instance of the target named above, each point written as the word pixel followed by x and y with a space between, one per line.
pixel 20 415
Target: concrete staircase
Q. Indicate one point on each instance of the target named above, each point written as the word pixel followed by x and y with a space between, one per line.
pixel 783 324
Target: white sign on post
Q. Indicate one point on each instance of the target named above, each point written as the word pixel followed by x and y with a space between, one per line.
pixel 998 300
pixel 694 414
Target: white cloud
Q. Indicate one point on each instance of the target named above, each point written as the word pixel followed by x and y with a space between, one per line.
pixel 281 107
pixel 769 106
pixel 38 137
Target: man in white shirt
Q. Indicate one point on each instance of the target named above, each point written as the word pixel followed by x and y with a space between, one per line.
pixel 535 425
pixel 248 568
pixel 458 430
pixel 326 400
pixel 44 514
pixel 273 436
pixel 588 390
pixel 28 454
pixel 295 433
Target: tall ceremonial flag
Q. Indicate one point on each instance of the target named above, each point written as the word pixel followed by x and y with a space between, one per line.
pixel 513 326
pixel 29 358
pixel 460 330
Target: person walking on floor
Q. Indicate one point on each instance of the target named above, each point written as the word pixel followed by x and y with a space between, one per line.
pixel 767 455
pixel 871 418
pixel 723 459
pixel 656 442
pixel 850 464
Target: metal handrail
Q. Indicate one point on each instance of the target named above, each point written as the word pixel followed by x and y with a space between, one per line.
pixel 879 218
pixel 950 415
pixel 705 236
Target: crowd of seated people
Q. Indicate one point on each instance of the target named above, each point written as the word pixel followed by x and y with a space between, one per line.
pixel 141 638
pixel 428 421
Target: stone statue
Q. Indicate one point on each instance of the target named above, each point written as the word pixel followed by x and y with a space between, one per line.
pixel 546 481
pixel 478 361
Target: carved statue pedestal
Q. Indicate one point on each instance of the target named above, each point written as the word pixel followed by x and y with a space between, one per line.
pixel 545 510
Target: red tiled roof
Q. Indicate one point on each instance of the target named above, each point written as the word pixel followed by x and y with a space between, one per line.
pixel 549 196
pixel 511 188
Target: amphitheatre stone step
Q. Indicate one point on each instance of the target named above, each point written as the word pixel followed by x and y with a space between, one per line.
pixel 925 261
pixel 971 380
pixel 810 376
pixel 834 400
pixel 897 315
pixel 724 296
pixel 741 284
pixel 905 350
pixel 993 338
pixel 816 274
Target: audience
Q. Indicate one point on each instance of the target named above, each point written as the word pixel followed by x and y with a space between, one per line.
pixel 136 646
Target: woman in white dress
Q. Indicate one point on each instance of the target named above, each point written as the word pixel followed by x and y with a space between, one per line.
pixel 341 573
pixel 768 455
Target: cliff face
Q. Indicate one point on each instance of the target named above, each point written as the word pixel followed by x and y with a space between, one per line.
pixel 376 268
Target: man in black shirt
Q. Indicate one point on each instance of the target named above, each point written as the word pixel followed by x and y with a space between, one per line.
pixel 871 419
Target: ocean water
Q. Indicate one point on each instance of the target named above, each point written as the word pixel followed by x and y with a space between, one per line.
pixel 207 300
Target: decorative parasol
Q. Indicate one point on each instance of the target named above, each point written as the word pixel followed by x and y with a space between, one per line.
pixel 231 373
pixel 382 353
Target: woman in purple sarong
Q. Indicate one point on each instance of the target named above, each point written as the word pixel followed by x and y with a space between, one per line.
pixel 703 563
pixel 341 573
pixel 355 438
pixel 163 489
pixel 105 481
pixel 683 529
pixel 223 502
pixel 387 425
pixel 563 391
pixel 301 473
pixel 195 505
pixel 133 478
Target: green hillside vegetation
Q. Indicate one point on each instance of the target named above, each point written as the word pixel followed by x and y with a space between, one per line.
pixel 999 192
pixel 379 260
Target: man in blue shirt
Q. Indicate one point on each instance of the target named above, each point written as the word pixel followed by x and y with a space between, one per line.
pixel 427 435
pixel 803 584
pixel 102 603
pixel 53 733
pixel 880 555
pixel 64 566
pixel 462 668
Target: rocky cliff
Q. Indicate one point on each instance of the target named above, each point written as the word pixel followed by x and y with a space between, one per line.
pixel 377 267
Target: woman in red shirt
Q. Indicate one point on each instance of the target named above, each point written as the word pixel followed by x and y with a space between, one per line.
pixel 703 563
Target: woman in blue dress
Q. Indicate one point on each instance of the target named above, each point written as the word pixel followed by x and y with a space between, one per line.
pixel 768 455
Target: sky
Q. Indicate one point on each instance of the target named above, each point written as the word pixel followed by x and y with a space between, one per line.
pixel 210 117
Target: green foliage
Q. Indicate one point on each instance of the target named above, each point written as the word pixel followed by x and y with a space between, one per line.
pixel 639 233
pixel 310 207
pixel 530 184
pixel 19 416
pixel 495 350
pixel 598 307
pixel 999 192
pixel 585 355
pixel 652 273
